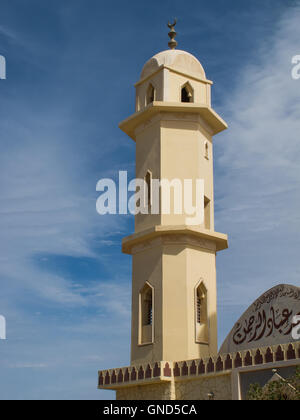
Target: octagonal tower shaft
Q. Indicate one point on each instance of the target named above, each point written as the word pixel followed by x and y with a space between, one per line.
pixel 174 296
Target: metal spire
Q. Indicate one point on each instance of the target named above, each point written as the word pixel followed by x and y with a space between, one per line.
pixel 172 43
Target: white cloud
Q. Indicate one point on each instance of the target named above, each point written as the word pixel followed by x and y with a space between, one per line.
pixel 28 366
pixel 8 32
pixel 258 172
pixel 44 204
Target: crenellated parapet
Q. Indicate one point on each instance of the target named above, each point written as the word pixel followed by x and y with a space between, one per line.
pixel 131 375
pixel 245 358
pixel 187 369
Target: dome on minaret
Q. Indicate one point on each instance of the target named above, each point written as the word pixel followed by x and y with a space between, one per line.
pixel 177 60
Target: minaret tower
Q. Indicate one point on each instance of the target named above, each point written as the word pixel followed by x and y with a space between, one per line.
pixel 174 350
pixel 174 296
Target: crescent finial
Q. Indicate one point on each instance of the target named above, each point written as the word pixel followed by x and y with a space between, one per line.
pixel 172 34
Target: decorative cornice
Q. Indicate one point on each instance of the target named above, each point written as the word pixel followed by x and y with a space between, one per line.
pixel 133 375
pixel 164 117
pixel 170 68
pixel 212 119
pixel 186 240
pixel 191 369
pixel 189 235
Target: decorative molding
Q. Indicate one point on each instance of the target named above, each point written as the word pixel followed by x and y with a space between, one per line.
pixel 175 239
pixel 189 369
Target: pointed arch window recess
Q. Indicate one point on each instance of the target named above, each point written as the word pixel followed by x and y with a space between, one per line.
pixel 150 97
pixel 148 192
pixel 187 93
pixel 206 152
pixel 201 317
pixel 207 223
pixel 146 315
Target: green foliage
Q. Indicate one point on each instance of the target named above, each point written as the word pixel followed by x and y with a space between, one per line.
pixel 281 390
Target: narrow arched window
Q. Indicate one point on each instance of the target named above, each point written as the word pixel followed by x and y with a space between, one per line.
pixel 147 305
pixel 206 150
pixel 206 213
pixel 149 311
pixel 201 316
pixel 146 314
pixel 150 94
pixel 148 179
pixel 201 304
pixel 187 93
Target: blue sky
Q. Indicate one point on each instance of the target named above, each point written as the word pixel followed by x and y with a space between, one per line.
pixel 71 65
